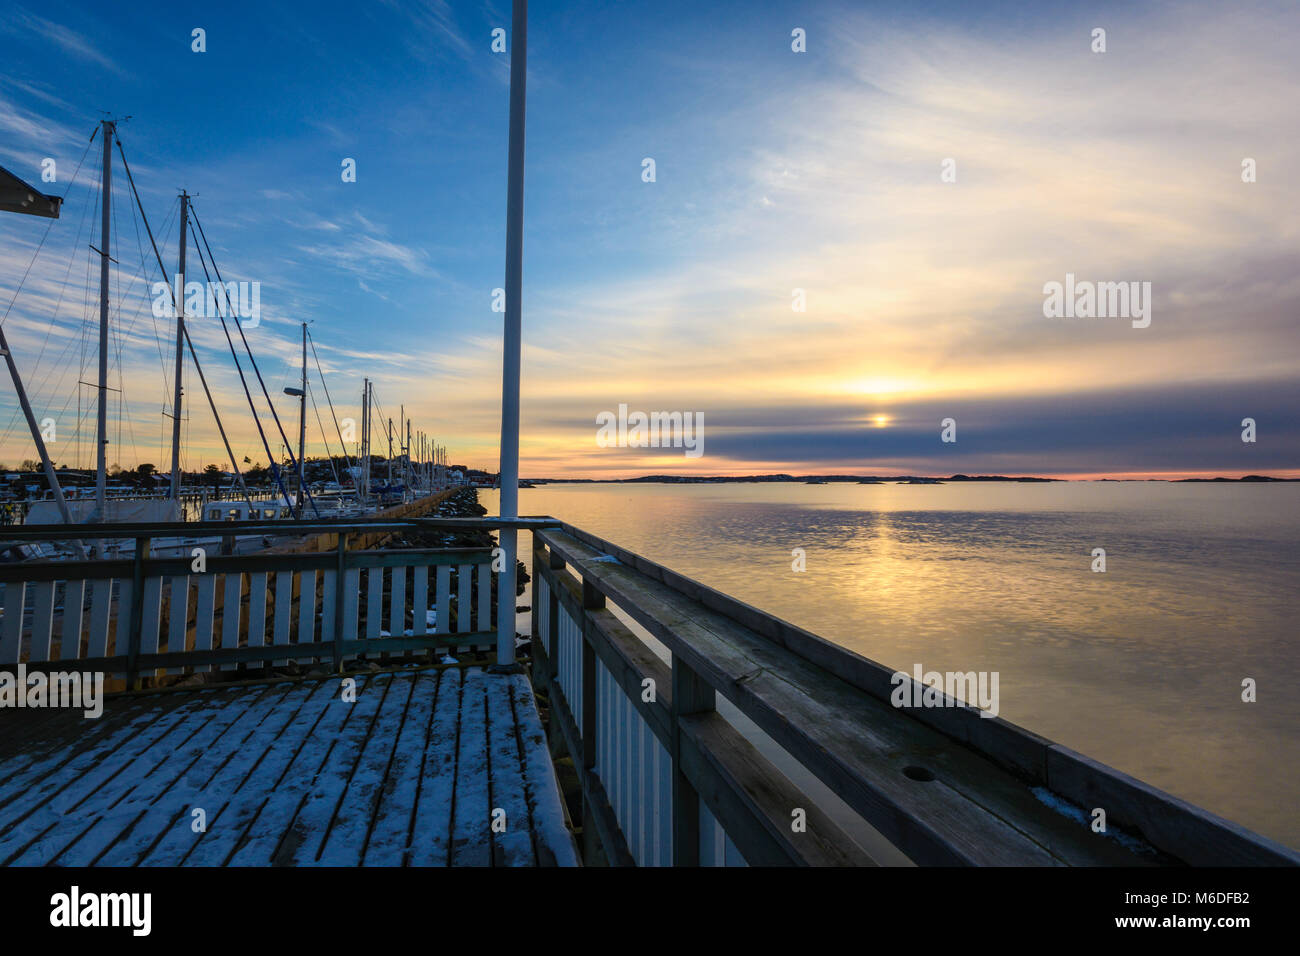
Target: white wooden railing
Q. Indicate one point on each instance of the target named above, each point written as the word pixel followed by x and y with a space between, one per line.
pixel 666 778
pixel 145 616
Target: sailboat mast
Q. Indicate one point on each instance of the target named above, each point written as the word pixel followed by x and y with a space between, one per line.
pixel 365 440
pixel 106 203
pixel 180 354
pixel 302 428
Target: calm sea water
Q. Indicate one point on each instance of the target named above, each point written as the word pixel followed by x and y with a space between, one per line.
pixel 1140 667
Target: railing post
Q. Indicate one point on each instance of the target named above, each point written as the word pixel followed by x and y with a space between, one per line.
pixel 553 617
pixel 340 582
pixel 691 695
pixel 137 612
pixel 592 600
pixel 539 556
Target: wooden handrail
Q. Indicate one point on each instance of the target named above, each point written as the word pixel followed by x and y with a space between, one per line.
pixel 713 761
pixel 944 784
pixel 188 529
pixel 153 567
pixel 142 618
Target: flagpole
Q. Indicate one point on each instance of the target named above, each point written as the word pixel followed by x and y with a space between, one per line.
pixel 510 363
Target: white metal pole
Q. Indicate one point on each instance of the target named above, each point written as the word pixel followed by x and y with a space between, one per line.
pixel 512 344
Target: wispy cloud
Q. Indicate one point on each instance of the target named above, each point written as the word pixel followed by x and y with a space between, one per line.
pixel 65 38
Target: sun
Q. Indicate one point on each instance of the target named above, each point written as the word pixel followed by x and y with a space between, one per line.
pixel 880 421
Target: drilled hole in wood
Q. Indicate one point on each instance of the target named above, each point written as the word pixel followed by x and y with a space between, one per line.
pixel 918 773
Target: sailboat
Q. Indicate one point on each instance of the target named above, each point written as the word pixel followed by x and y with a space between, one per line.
pixel 414 477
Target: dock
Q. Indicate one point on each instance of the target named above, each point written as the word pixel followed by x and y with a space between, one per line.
pixel 410 772
pixel 300 709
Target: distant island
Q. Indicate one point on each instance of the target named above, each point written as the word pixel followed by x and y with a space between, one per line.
pixel 861 479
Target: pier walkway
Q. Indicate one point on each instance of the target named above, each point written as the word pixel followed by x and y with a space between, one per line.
pixel 692 729
pixel 421 768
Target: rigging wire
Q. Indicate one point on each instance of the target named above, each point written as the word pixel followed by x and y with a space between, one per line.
pixel 275 471
pixel 325 438
pixel 62 289
pixel 47 232
pixel 321 372
pixel 193 354
pixel 253 362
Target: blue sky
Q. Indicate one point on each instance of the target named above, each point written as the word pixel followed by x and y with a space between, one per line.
pixel 775 171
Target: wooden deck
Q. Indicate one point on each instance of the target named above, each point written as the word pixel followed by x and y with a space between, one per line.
pixel 288 773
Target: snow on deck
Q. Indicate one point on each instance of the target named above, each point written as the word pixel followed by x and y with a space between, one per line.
pixel 414 772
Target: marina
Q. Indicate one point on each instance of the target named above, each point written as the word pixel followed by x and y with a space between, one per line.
pixel 842 640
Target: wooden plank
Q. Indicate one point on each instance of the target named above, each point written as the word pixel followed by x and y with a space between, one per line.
pixel 471 843
pixel 306 833
pixel 374 602
pixel 205 601
pixel 388 841
pixel 11 637
pixel 597 813
pixel 630 661
pixel 178 612
pixel 430 843
pixel 743 787
pixel 307 610
pixel 607 760
pixel 420 601
pixel 151 616
pixel 254 822
pixel 444 600
pixel 463 605
pixel 664 806
pixel 397 602
pixel 42 638
pixel 72 744
pixel 327 601
pixel 646 791
pixel 1193 835
pixel 119 623
pixel 74 603
pixel 115 806
pixel 351 601
pixel 634 796
pixel 349 830
pixel 226 791
pixel 175 786
pixel 101 598
pixel 257 609
pixel 509 804
pixel 164 567
pixel 44 804
pixel 283 608
pixel 731 855
pixel 544 612
pixel 552 842
pixel 484 597
pixel 710 849
pixel 230 612
pixel 691 695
